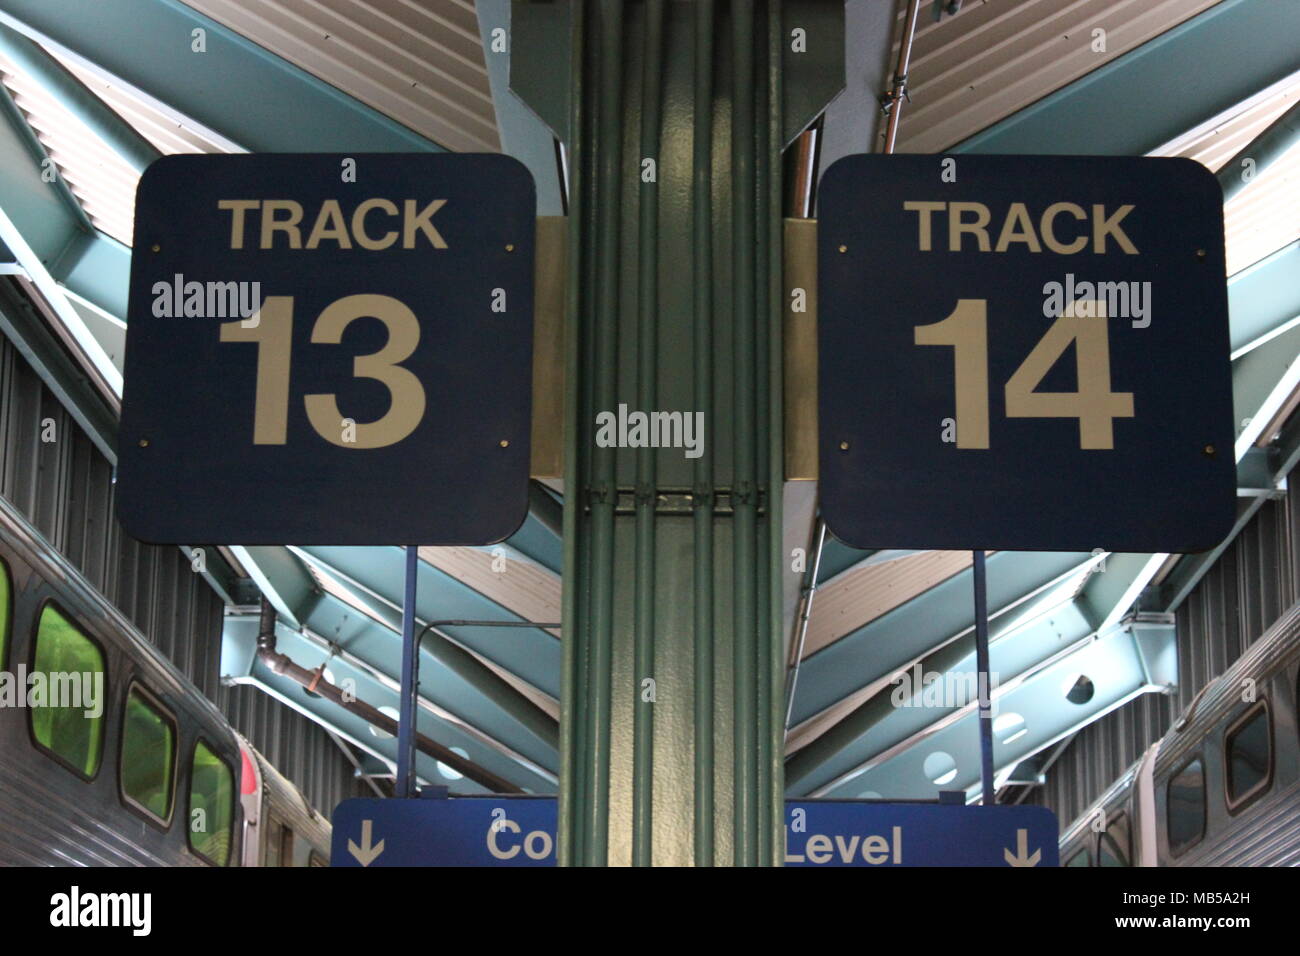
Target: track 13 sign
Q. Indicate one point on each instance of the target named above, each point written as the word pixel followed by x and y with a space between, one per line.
pixel 329 350
pixel 1024 353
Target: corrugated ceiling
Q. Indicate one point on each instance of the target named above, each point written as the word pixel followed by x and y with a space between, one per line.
pixel 1265 217
pixel 419 62
pixel 998 56
pixel 861 594
pixel 101 180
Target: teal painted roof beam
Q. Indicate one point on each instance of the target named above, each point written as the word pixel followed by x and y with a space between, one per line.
pixel 1159 90
pixel 236 88
pixel 73 96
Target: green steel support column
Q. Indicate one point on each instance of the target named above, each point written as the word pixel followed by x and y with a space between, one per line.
pixel 772 636
pixel 646 492
pixel 744 508
pixel 569 845
pixel 702 491
pixel 602 483
pixel 670 115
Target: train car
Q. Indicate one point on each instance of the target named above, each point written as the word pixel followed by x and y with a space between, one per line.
pixel 1222 788
pixel 280 828
pixel 108 754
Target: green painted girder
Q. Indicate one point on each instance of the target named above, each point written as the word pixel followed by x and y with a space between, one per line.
pixel 919 626
pixel 1168 85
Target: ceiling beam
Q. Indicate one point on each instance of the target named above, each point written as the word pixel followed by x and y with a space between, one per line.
pixel 80 102
pixel 1120 664
pixel 1147 97
pixel 235 88
pixel 937 616
pixel 240 664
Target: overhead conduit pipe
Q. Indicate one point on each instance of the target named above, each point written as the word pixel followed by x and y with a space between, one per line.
pixel 315 682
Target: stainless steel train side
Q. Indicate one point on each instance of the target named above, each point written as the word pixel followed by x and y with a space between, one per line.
pixel 1222 787
pixel 157 777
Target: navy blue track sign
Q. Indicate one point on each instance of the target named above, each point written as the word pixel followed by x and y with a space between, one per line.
pixel 1024 352
pixel 329 350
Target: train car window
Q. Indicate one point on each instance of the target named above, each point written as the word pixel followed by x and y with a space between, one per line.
pixel 1113 847
pixel 1248 746
pixel 1185 806
pixel 5 590
pixel 68 721
pixel 147 771
pixel 1082 858
pixel 212 805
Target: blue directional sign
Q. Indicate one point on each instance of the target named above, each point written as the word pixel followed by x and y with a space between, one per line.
pixel 1024 352
pixel 450 831
pixel 329 350
pixel 854 833
pixel 514 831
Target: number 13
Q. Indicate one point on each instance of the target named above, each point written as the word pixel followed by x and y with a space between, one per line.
pixel 273 333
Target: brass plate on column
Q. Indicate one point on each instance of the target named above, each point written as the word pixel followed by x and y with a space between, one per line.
pixel 548 349
pixel 800 333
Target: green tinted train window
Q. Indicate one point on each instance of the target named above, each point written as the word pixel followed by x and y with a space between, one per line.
pixel 1185 807
pixel 1082 858
pixel 148 756
pixel 66 692
pixel 1113 847
pixel 4 611
pixel 1248 748
pixel 212 805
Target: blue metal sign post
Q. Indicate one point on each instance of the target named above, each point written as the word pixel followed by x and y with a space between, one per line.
pixel 329 349
pixel 520 831
pixel 406 722
pixel 982 676
pixel 1020 352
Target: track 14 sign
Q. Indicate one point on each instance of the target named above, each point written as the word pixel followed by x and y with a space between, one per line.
pixel 329 350
pixel 1024 353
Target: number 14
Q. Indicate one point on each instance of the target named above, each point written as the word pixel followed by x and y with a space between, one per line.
pixel 1093 404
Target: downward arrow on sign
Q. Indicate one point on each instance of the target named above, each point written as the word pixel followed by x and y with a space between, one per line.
pixel 367 854
pixel 1022 857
